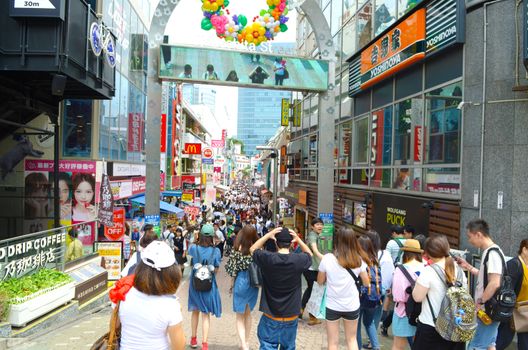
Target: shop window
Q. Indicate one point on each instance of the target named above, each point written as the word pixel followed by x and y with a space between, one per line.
pixel 380 177
pixel 346 102
pixel 349 9
pixel 349 38
pixel 362 103
pixel 436 71
pixel 443 121
pixel 408 179
pixel 123 119
pixel 104 130
pixel 344 153
pixel 442 180
pixel 381 137
pixel 312 158
pixel 360 177
pixel 77 128
pixel 364 21
pixel 361 140
pixel 384 16
pixel 337 14
pixel 404 6
pixel 407 121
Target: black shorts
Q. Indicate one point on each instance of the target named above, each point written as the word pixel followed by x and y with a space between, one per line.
pixel 332 315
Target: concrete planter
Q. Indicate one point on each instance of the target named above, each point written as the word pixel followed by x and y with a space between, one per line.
pixel 43 302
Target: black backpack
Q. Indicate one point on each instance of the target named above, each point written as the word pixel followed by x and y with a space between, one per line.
pixel 500 307
pixel 412 307
pixel 203 273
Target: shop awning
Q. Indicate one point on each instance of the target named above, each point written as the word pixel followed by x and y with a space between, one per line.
pixel 164 206
pixel 172 193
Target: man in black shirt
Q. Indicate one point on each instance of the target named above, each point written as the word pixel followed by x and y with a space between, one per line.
pixel 280 299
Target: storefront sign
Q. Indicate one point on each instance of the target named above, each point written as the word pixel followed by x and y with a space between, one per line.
pixel 37 8
pixel 77 166
pixel 207 153
pixel 423 33
pixel 106 203
pixel 192 148
pixel 217 169
pixel 139 185
pixel 124 169
pixel 285 111
pixel 121 189
pixel 224 134
pixel 217 143
pixel 191 210
pixel 302 197
pixel 117 231
pixel 391 210
pixel 283 160
pixel 163 133
pixel 85 291
pixel 22 256
pixel 112 253
pixel 207 161
pixel 188 196
pixel 297 109
pixel 397 49
pixel 136 125
pixel 418 143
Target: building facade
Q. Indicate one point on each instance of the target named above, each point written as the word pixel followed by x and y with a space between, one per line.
pixel 427 132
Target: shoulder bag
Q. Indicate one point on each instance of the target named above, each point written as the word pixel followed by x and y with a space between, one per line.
pixel 255 275
pixel 520 313
pixel 111 339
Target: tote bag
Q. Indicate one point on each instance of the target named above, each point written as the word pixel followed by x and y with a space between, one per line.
pixel 316 305
pixel 520 317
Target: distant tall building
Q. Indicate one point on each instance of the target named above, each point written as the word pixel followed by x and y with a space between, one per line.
pixel 197 94
pixel 259 111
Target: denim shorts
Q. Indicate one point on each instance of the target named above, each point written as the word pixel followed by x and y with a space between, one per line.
pixel 485 336
pixel 332 315
pixel 273 333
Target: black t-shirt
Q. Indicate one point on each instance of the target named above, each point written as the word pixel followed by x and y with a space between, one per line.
pixel 281 277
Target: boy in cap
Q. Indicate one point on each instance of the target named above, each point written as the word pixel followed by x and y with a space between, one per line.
pixel 280 299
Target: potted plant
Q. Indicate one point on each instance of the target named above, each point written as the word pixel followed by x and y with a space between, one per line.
pixel 32 296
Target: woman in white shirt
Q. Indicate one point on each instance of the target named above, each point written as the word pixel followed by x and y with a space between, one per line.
pixel 150 315
pixel 342 295
pixel 430 288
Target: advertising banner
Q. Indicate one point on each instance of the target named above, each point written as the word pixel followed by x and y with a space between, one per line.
pixel 217 143
pixel 106 203
pixel 135 132
pixel 297 110
pixel 154 220
pixel 192 148
pixel 188 196
pixel 285 111
pixel 112 253
pixel 117 231
pixel 163 133
pixel 121 189
pixel 326 238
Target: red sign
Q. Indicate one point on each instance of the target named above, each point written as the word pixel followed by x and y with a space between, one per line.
pixel 418 142
pixel 208 153
pixel 162 182
pixel 163 127
pixel 217 169
pixel 192 148
pixel 190 210
pixel 139 184
pixel 224 135
pixel 135 132
pixel 76 166
pixel 217 143
pixel 116 232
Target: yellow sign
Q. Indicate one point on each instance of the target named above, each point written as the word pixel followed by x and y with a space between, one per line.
pixel 297 113
pixel 187 197
pixel 285 112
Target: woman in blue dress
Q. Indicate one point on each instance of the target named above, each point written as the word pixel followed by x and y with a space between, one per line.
pixel 244 295
pixel 208 302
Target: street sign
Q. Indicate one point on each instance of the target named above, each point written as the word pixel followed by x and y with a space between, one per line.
pixel 285 111
pixel 297 113
pixel 208 161
pixel 207 152
pixel 37 8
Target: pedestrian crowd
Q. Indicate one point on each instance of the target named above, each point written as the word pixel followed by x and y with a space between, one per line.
pixel 416 285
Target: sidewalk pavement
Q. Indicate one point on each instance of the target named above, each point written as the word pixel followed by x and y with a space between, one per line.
pixel 81 334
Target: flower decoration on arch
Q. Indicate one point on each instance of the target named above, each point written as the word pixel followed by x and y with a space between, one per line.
pixel 264 27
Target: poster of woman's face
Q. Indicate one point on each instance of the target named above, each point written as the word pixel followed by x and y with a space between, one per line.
pixel 360 215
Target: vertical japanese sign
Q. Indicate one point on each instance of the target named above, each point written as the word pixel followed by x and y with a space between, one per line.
pixel 326 238
pixel 283 160
pixel 285 112
pixel 163 133
pixel 117 231
pixel 135 132
pixel 106 203
pixel 297 113
pixel 224 135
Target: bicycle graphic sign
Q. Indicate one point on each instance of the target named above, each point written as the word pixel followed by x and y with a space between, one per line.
pixel 101 41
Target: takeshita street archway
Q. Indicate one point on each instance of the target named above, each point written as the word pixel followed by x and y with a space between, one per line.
pixel 325 43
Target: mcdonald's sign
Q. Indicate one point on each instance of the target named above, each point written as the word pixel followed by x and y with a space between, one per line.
pixel 192 148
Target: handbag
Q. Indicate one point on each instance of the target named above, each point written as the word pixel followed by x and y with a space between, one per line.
pixel 520 317
pixel 316 305
pixel 111 339
pixel 255 275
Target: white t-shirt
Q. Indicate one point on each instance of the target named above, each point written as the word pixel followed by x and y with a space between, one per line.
pixel 494 266
pixel 437 289
pixel 341 291
pixel 387 269
pixel 219 235
pixel 145 319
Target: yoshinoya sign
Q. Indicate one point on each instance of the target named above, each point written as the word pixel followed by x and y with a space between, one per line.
pixel 24 255
pixel 37 8
pixel 423 33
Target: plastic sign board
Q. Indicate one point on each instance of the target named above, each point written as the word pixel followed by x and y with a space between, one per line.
pixel 285 111
pixel 297 106
pixel 217 143
pixel 207 153
pixel 192 148
pixel 37 8
pixel 116 232
pixel 239 68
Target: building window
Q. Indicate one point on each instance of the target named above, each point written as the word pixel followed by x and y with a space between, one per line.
pixel 77 129
pixel 381 147
pixel 345 146
pixel 361 131
pixel 384 16
pixel 364 22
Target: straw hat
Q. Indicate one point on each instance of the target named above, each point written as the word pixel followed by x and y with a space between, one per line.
pixel 411 245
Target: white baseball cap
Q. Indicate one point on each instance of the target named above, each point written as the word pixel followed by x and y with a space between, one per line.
pixel 158 255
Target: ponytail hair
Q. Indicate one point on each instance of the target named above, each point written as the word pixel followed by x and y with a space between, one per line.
pixel 437 247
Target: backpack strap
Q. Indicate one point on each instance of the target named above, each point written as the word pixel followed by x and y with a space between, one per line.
pixel 485 263
pixel 407 275
pixel 356 278
pixel 431 308
pixel 398 242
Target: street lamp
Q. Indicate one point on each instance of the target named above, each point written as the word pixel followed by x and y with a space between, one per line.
pixel 275 177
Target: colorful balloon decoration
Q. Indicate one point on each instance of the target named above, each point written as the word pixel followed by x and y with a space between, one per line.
pixel 229 27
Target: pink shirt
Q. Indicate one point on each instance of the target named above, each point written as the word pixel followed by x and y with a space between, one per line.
pixel 400 284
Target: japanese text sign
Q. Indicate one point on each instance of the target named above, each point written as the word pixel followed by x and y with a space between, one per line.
pixel 112 253
pixel 106 203
pixel 297 113
pixel 218 143
pixel 135 132
pixel 116 232
pixel 285 111
pixel 397 49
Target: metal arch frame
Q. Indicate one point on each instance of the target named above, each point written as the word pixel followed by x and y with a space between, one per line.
pixel 325 43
